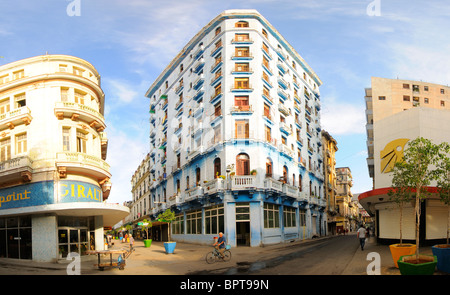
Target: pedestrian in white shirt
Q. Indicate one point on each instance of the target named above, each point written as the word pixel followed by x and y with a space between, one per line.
pixel 361 234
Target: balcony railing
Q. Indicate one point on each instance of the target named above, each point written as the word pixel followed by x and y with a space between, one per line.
pixel 15 117
pixel 243 182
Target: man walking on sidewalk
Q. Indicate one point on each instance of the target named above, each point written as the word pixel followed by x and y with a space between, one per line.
pixel 361 234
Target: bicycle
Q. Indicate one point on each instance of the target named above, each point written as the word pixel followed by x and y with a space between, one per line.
pixel 214 255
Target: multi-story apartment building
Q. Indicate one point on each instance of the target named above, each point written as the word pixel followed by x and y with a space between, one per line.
pixel 140 189
pixel 329 146
pixel 53 175
pixel 398 111
pixel 345 213
pixel 235 142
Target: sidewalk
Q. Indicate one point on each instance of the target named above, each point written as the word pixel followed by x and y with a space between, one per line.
pixel 190 259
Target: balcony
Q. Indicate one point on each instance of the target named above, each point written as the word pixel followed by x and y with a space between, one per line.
pixel 19 168
pixel 199 65
pixel 242 56
pixel 244 109
pixel 214 186
pixel 283 83
pixel 243 182
pixel 80 112
pixel 283 109
pixel 81 163
pixel 285 128
pixel 286 150
pixel 199 82
pixel 273 185
pixel 290 190
pixel 15 117
pixel 193 193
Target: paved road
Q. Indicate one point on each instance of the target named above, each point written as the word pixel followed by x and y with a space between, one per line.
pixel 322 257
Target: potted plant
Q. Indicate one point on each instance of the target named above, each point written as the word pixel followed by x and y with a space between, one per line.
pixel 253 172
pixel 400 194
pixel 168 216
pixel 146 224
pixel 442 251
pixel 414 171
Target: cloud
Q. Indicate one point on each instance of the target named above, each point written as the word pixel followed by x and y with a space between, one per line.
pixel 125 153
pixel 342 118
pixel 121 90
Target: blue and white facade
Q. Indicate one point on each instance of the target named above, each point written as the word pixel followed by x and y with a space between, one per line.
pixel 235 137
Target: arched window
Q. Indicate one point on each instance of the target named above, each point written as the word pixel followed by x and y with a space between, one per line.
pixel 197 177
pixel 242 164
pixel 187 182
pixel 217 168
pixel 178 186
pixel 300 183
pixel 268 167
pixel 285 175
pixel 241 24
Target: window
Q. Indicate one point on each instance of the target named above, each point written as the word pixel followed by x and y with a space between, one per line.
pixel 241 67
pixel 66 139
pixel 426 100
pixel 241 102
pixel 178 225
pixel 218 110
pixel 4 79
pixel 302 215
pixel 442 91
pixel 64 94
pixel 264 32
pixel 242 164
pixel 242 129
pixel 425 88
pixel 242 51
pixel 218 30
pixel 241 24
pixel 405 86
pixel 268 167
pixel 81 142
pixel 406 98
pixel 78 71
pixel 21 143
pixel 18 74
pixel 5 149
pixel 79 97
pixel 241 37
pixel 265 48
pixel 442 103
pixel 4 106
pixel 63 68
pixel 217 168
pixel 381 97
pixel 289 217
pixel 217 134
pixel 268 133
pixel 197 177
pixel 20 100
pixel 267 111
pixel 243 211
pixel 194 222
pixel 214 220
pixel 271 216
pixel 241 83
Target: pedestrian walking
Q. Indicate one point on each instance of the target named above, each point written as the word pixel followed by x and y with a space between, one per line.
pixel 361 234
pixel 131 241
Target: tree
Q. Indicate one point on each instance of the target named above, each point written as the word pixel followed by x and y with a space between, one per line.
pixel 146 224
pixel 416 172
pixel 168 216
pixel 399 194
pixel 443 183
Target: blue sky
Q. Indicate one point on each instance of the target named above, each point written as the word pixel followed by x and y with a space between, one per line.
pixel 131 42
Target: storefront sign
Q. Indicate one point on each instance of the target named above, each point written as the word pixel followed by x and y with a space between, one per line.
pixel 78 191
pixel 32 194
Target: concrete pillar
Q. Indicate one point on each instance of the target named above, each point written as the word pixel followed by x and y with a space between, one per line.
pixel 44 235
pixel 99 239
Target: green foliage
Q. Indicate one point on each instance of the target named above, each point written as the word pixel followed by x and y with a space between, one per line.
pixel 413 175
pixel 168 216
pixel 146 224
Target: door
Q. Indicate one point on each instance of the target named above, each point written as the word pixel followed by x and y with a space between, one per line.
pixel 243 164
pixel 243 233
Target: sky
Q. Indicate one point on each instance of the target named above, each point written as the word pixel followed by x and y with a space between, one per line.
pixel 130 43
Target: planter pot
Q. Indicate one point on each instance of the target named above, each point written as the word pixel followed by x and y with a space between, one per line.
pixel 407 265
pixel 170 247
pixel 147 243
pixel 399 250
pixel 442 252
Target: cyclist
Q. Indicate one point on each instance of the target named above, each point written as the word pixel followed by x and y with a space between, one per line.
pixel 220 244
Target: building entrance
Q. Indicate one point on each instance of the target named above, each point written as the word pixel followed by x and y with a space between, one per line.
pixel 15 237
pixel 242 224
